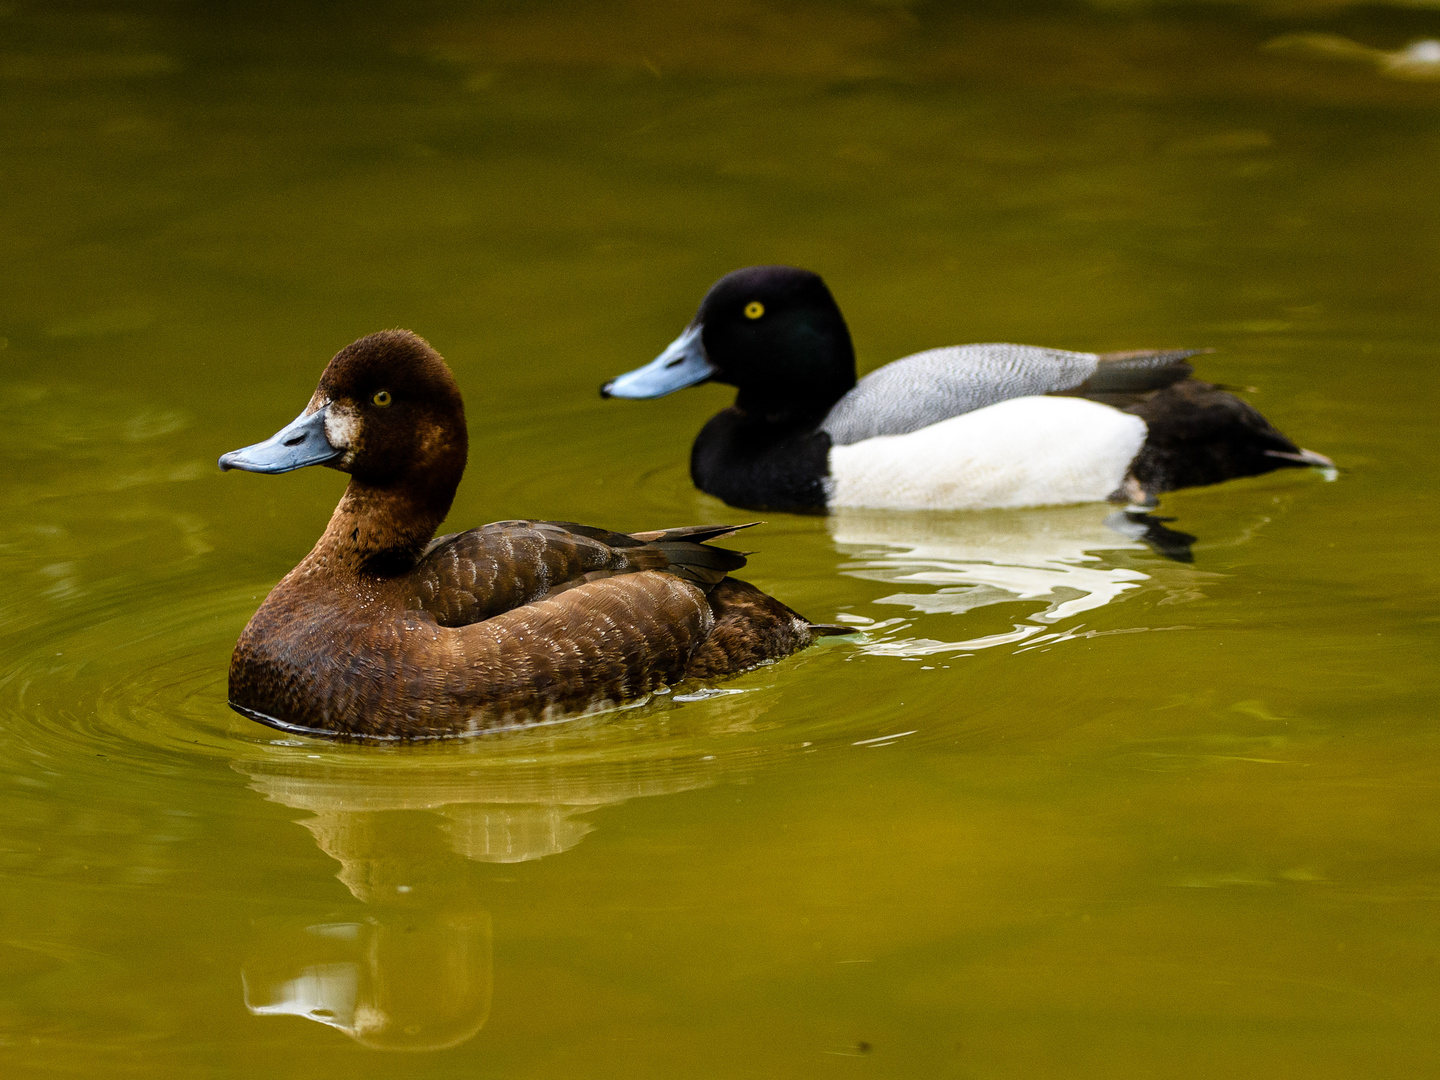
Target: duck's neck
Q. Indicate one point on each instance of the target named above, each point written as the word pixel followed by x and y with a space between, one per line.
pixel 792 404
pixel 787 411
pixel 378 531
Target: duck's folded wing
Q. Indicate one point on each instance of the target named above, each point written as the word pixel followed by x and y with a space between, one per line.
pixel 928 387
pixel 615 640
pixel 1124 378
pixel 467 577
pixel 600 644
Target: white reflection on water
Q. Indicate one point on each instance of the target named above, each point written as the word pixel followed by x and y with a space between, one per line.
pixel 401 978
pixel 413 968
pixel 1419 60
pixel 975 560
pixel 324 992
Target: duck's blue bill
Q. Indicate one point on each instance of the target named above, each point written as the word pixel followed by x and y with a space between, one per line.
pixel 683 364
pixel 299 443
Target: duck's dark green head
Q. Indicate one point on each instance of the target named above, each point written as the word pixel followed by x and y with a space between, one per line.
pixel 773 332
pixel 387 411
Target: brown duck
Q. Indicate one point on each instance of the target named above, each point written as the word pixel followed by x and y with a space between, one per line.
pixel 382 631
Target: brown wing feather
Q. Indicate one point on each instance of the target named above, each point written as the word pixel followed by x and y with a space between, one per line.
pixel 468 577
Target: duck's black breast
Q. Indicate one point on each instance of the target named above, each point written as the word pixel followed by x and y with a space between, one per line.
pixel 762 464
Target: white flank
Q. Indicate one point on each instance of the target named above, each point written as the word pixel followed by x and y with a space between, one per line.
pixel 1030 451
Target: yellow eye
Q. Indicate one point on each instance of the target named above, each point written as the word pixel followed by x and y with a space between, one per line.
pixel 754 309
pixel 382 398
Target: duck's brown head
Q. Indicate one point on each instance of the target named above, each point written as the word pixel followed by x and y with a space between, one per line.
pixel 388 412
pixel 392 410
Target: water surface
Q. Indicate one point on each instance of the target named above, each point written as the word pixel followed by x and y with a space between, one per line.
pixel 1067 807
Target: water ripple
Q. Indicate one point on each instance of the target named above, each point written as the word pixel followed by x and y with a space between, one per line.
pixel 135 679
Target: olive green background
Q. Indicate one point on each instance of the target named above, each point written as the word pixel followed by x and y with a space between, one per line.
pixel 1066 809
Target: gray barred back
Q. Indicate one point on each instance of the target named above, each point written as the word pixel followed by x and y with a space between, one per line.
pixel 927 387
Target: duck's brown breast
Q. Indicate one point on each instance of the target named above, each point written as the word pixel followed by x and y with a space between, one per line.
pixel 401 674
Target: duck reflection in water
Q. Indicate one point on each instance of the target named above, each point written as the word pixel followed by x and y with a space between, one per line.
pixel 979 559
pixel 410 968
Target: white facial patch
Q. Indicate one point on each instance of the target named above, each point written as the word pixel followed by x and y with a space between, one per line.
pixel 1030 451
pixel 342 426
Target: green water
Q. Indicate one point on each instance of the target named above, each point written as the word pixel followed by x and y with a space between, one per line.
pixel 1066 809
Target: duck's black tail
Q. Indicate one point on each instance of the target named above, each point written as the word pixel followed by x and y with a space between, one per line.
pixel 1199 434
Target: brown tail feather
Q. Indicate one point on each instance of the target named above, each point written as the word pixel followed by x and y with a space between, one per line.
pixel 591 532
pixel 698 563
pixel 696 534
